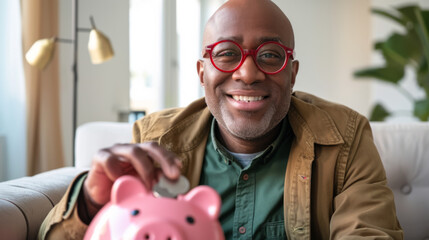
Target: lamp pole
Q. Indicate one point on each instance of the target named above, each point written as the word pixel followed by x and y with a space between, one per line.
pixel 75 76
pixel 104 52
pixel 75 32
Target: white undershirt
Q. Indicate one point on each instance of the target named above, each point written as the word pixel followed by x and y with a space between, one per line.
pixel 244 158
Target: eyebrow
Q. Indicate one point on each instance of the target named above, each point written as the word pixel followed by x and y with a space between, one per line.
pixel 267 39
pixel 233 38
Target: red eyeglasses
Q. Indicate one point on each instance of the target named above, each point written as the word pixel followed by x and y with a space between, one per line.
pixel 270 57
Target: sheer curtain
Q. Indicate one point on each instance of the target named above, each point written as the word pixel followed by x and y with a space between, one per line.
pixel 44 148
pixel 12 94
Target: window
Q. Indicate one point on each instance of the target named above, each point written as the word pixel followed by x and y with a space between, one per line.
pixel 12 94
pixel 165 43
pixel 189 50
pixel 145 54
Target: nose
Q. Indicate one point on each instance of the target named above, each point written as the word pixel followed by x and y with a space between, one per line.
pixel 248 72
pixel 160 230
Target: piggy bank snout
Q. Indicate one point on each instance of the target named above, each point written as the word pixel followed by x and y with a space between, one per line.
pixel 159 230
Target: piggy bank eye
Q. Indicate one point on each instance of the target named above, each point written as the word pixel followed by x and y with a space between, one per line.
pixel 135 212
pixel 190 220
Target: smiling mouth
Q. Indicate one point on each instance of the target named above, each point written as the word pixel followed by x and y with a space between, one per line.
pixel 247 98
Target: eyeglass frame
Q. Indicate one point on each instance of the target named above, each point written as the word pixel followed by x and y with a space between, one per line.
pixel 252 52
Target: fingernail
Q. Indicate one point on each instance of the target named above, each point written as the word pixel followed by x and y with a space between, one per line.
pixel 179 163
pixel 174 171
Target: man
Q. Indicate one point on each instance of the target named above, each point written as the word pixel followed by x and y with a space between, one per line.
pixel 286 165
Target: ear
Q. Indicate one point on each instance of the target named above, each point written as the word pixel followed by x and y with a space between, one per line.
pixel 206 198
pixel 200 71
pixel 126 187
pixel 295 68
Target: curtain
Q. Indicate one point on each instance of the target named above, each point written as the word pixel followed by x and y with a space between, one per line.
pixel 44 145
pixel 12 94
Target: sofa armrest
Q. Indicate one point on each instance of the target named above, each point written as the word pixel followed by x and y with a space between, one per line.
pixel 25 202
pixel 93 136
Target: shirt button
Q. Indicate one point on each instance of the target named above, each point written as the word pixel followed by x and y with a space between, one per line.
pixel 242 230
pixel 245 177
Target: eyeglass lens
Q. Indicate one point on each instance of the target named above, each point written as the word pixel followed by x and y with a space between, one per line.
pixel 270 57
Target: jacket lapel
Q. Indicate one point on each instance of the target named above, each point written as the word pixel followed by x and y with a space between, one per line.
pixel 187 138
pixel 311 125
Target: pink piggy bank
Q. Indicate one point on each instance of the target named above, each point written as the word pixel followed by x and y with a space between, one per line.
pixel 134 213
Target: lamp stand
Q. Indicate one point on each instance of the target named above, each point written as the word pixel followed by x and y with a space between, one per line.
pixel 75 76
pixel 99 48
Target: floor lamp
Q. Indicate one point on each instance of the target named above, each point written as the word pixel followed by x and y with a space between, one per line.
pixel 99 48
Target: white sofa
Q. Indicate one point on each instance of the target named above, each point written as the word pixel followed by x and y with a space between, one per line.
pixel 404 149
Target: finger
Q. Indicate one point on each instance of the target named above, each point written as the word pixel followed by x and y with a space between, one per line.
pixel 100 179
pixel 169 162
pixel 137 160
pixel 110 164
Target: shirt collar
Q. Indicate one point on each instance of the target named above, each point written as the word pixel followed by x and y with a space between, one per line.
pixel 285 132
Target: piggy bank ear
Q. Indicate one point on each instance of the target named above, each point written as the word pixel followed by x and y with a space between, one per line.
pixel 205 198
pixel 125 187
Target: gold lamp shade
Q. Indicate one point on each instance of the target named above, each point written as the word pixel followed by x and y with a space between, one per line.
pixel 99 47
pixel 40 52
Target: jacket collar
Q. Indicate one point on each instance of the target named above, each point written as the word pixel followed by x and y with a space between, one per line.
pixel 191 126
pixel 309 121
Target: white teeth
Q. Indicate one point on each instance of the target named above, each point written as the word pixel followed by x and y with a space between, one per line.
pixel 247 98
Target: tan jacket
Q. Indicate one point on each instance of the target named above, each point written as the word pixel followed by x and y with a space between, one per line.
pixel 335 184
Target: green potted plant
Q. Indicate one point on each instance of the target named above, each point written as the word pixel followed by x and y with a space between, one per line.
pixel 401 50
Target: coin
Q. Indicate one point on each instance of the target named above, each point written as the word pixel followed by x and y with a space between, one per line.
pixel 167 188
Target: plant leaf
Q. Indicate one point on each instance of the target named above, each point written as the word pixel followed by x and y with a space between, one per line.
pixel 425 15
pixel 379 113
pixel 386 14
pixel 390 73
pixel 404 48
pixel 423 75
pixel 401 49
pixel 422 29
pixel 398 49
pixel 421 109
pixel 415 47
pixel 408 13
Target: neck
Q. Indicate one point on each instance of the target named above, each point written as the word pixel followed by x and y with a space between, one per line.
pixel 239 145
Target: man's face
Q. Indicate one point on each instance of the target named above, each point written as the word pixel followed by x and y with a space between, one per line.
pixel 248 103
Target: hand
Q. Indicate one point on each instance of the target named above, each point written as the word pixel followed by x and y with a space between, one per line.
pixel 139 160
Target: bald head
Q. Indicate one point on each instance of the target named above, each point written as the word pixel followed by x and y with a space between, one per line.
pixel 235 18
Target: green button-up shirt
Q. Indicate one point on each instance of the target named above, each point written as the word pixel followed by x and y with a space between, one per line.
pixel 252 197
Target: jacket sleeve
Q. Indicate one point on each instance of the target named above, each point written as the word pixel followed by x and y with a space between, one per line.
pixel 364 205
pixel 63 221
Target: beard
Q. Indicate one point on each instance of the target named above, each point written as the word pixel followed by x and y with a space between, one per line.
pixel 246 127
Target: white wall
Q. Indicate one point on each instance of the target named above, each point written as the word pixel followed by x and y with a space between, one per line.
pixel 332 39
pixel 103 90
